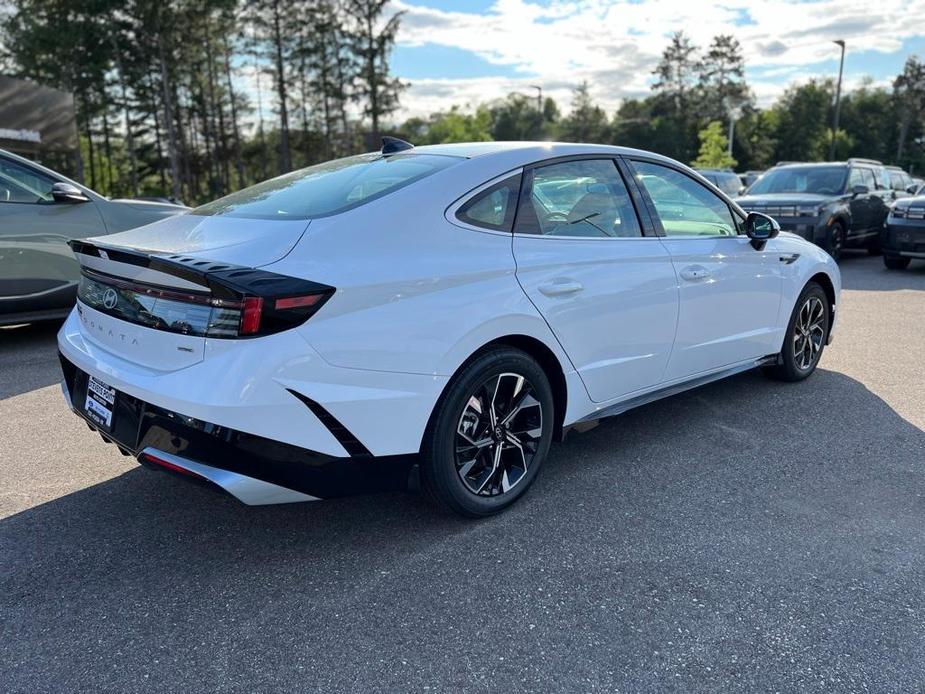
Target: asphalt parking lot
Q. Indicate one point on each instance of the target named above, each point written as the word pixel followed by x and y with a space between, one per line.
pixel 749 535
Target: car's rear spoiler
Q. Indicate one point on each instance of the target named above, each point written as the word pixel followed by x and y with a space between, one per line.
pixel 221 280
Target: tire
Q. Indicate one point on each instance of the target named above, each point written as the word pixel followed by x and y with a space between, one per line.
pixel 895 262
pixel 472 464
pixel 835 240
pixel 806 336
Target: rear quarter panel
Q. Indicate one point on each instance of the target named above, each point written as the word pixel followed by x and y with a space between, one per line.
pixel 414 293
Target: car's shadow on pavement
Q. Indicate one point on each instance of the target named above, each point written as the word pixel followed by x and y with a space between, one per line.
pixel 27 358
pixel 732 518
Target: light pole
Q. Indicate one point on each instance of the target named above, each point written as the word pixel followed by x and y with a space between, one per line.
pixel 539 97
pixel 734 111
pixel 841 67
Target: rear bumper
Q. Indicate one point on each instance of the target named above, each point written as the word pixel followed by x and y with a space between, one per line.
pixel 265 387
pixel 235 460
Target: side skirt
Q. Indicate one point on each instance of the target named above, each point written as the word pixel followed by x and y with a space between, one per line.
pixel 673 389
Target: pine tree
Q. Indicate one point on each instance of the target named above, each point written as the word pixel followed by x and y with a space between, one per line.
pixel 372 38
pixel 713 149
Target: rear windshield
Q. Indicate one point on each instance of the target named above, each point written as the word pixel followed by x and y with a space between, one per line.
pixel 823 180
pixel 328 188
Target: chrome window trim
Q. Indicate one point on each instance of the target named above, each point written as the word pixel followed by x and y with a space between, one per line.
pixel 587 238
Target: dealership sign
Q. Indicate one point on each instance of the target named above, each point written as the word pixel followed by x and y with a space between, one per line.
pixel 35 118
pixel 21 135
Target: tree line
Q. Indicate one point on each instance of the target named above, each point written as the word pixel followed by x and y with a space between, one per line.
pixel 686 116
pixel 159 85
pixel 163 109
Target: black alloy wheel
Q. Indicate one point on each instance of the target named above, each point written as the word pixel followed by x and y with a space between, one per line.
pixel 489 434
pixel 806 337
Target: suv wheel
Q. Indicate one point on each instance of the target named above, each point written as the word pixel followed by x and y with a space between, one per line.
pixel 835 240
pixel 806 336
pixel 489 434
pixel 896 262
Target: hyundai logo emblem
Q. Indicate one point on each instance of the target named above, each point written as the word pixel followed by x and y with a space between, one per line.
pixel 110 298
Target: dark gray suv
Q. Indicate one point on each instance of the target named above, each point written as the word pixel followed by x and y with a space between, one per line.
pixel 40 211
pixel 837 205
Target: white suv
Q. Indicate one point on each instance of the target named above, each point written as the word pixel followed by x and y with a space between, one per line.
pixel 438 312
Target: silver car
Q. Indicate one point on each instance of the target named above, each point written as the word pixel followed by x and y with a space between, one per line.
pixel 40 211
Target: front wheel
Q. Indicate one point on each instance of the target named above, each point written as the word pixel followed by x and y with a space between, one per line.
pixel 489 434
pixel 895 262
pixel 806 336
pixel 835 240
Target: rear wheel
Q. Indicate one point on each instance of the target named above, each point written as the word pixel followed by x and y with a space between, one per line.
pixel 895 262
pixel 806 336
pixel 489 434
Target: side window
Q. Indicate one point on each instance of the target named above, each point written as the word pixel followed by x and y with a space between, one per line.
pixel 879 179
pixel 868 179
pixel 21 184
pixel 855 178
pixel 685 207
pixel 493 208
pixel 731 184
pixel 585 198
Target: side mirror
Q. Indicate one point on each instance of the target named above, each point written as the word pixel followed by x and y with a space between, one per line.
pixel 859 190
pixel 760 228
pixel 68 193
pixel 912 188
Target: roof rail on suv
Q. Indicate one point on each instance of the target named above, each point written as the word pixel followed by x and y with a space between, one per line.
pixel 859 160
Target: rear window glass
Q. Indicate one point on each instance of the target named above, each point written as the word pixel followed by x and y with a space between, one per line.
pixel 328 188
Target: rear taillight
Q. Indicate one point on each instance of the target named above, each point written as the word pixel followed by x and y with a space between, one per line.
pixel 251 304
pixel 298 302
pixel 251 310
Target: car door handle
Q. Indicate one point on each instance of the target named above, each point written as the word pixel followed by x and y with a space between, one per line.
pixel 695 272
pixel 560 287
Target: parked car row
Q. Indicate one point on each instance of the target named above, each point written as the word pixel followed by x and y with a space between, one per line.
pixel 837 205
pixel 903 238
pixel 40 211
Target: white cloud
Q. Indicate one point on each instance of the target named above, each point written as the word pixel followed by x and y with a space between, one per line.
pixel 615 44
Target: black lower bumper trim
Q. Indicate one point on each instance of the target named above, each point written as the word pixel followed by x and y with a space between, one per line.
pixel 138 425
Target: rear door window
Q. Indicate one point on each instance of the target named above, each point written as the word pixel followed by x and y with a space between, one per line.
pixel 581 198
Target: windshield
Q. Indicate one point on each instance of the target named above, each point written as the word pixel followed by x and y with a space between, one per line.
pixel 822 180
pixel 328 188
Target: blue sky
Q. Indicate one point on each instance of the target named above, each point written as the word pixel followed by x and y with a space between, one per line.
pixel 469 51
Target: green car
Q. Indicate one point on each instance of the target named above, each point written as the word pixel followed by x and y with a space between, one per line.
pixel 40 211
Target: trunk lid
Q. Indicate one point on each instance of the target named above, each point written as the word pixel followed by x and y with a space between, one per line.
pixel 231 240
pixel 154 295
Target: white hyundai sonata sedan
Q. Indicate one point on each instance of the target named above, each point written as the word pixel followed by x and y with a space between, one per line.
pixel 435 313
